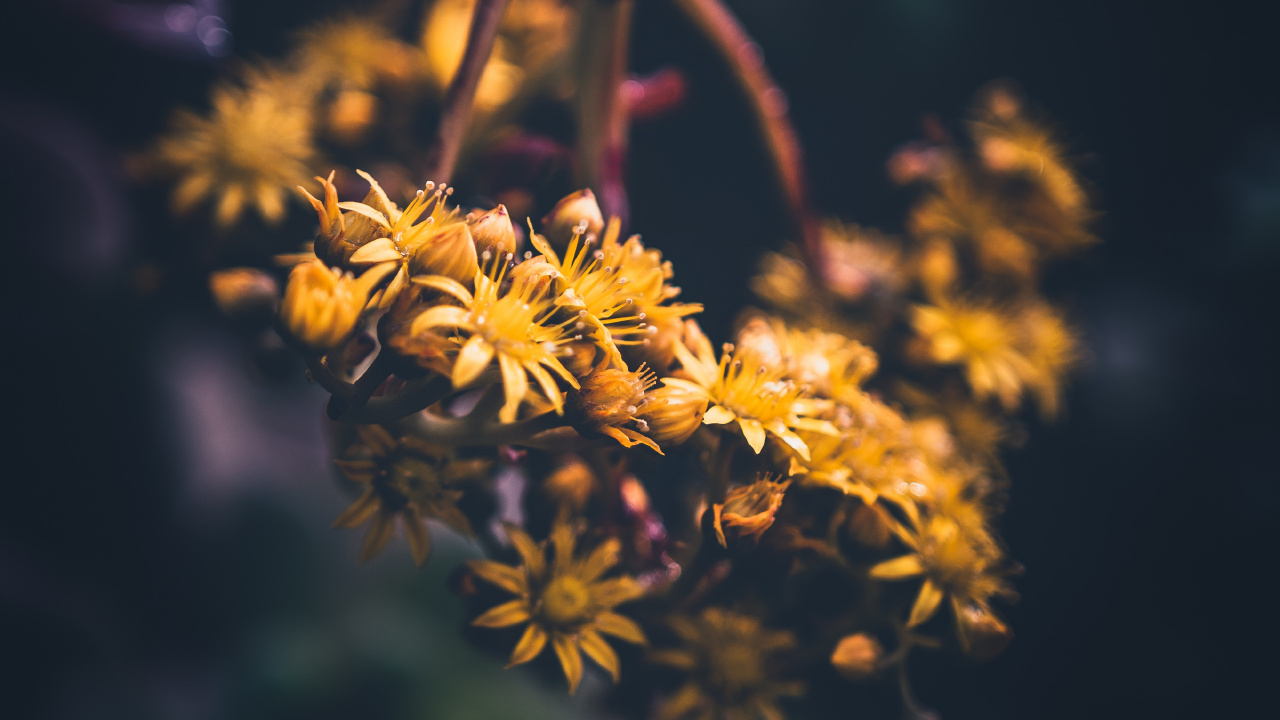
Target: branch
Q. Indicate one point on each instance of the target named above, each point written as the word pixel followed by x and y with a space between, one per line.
pixel 745 61
pixel 461 95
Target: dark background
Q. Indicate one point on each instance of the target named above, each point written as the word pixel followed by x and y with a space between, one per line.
pixel 163 541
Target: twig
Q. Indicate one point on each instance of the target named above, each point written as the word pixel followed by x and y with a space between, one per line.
pixel 743 56
pixel 462 432
pixel 602 106
pixel 461 95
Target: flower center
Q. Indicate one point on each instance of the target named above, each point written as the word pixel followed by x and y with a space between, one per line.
pixel 566 601
pixel 737 666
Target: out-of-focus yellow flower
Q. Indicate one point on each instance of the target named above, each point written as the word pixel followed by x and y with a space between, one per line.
pixel 353 53
pixel 532 36
pixel 729 660
pixel 825 364
pixel 408 479
pixel 742 389
pixel 783 282
pixel 956 563
pixel 610 401
pixel 509 326
pixel 322 305
pixel 244 292
pixel 750 509
pixel 1051 349
pixel 254 145
pixel 982 340
pixel 859 262
pixel 571 485
pixel 564 601
pixel 857 656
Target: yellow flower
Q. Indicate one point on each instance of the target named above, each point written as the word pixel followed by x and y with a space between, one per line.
pixel 253 146
pixel 749 508
pixel 673 413
pixel 728 659
pixel 982 340
pixel 617 289
pixel 508 326
pixel 743 389
pixel 563 600
pixel 610 399
pixel 857 656
pixel 353 52
pixel 957 563
pixel 440 244
pixel 858 263
pixel 1051 350
pixel 408 479
pixel 322 306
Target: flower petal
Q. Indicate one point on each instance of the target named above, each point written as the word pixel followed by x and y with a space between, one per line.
pixel 379 533
pixel 365 210
pixel 515 384
pixel 529 551
pixel 531 643
pixel 504 615
pixel 473 358
pixel 419 540
pixel 504 576
pixel 926 603
pixel 685 700
pixel 570 659
pixel 446 285
pixel 439 316
pixel 597 649
pixel 623 628
pixel 380 250
pixel 718 415
pixel 358 512
pixel 753 431
pixel 616 591
pixel 898 568
pixel 601 559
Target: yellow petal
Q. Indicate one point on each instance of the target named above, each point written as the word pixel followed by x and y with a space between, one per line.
pixel 597 649
pixel 753 431
pixel 380 250
pixel 365 210
pixel 716 511
pixel 376 539
pixel 623 628
pixel 504 576
pixel 419 540
pixel 445 285
pixel 358 512
pixel 681 659
pixel 529 551
pixel 898 568
pixel 393 289
pixel 531 643
pixel 547 383
pixel 439 316
pixel 718 415
pixel 567 650
pixel 685 700
pixel 472 360
pixel 616 591
pixel 639 439
pixel 364 284
pixel 601 559
pixel 504 615
pixel 791 439
pixel 515 384
pixel 926 603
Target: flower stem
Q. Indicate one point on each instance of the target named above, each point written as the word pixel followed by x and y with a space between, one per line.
pixel 602 105
pixel 743 56
pixel 460 97
pixel 461 432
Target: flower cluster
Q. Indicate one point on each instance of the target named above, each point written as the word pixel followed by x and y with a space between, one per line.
pixel 819 510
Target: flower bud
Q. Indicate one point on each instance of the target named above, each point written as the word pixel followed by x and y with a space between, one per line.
pixel 658 350
pixel 245 294
pixel 449 252
pixel 608 401
pixel 322 306
pixel 568 215
pixel 494 230
pixel 533 276
pixel 673 413
pixel 571 485
pixel 749 508
pixel 856 656
pixel 937 267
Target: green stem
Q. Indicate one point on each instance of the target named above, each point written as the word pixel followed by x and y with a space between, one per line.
pixel 461 432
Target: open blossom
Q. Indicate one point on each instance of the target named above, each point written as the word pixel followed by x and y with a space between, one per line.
pixel 749 510
pixel 564 599
pixel 512 327
pixel 742 388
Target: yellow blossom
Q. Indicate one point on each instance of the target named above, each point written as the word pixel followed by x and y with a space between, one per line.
pixel 564 601
pixel 982 340
pixel 508 326
pixel 749 508
pixel 729 661
pixel 610 402
pixel 322 305
pixel 253 146
pixel 408 479
pixel 743 389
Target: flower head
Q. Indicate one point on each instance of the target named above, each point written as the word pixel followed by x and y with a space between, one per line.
pixel 742 388
pixel 564 601
pixel 610 401
pixel 982 340
pixel 729 659
pixel 253 146
pixel 404 478
pixel 512 326
pixel 750 509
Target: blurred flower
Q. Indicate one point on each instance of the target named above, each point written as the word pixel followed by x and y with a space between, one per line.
pixel 242 293
pixel 255 144
pixel 563 600
pixel 750 509
pixel 982 340
pixel 857 656
pixel 408 479
pixel 728 658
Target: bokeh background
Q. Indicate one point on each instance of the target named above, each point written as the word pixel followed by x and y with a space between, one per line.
pixel 164 542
